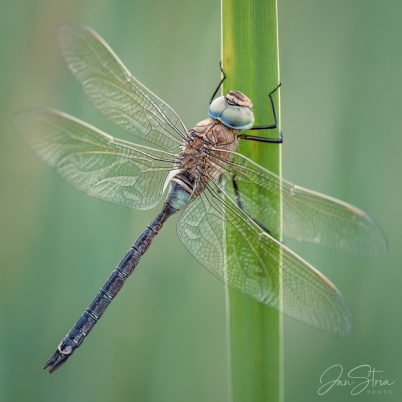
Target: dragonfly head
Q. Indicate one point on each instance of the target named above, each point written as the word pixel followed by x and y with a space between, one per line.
pixel 233 110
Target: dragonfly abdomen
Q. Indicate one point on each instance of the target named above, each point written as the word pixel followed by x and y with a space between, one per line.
pixel 176 199
pixel 98 306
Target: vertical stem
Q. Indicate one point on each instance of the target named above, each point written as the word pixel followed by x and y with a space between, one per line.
pixel 250 59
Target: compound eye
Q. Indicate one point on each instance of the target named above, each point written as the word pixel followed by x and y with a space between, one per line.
pixel 238 117
pixel 217 107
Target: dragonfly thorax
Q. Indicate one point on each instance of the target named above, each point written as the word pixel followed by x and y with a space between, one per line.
pixel 204 151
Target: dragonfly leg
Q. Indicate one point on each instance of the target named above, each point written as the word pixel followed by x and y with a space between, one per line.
pixel 262 139
pixel 220 83
pixel 267 127
pixel 241 206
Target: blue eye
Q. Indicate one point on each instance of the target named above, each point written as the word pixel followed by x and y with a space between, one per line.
pixel 238 117
pixel 217 107
pixel 231 115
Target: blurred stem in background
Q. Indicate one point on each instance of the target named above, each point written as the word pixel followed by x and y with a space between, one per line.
pixel 250 60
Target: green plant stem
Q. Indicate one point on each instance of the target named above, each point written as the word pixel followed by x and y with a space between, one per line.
pixel 250 60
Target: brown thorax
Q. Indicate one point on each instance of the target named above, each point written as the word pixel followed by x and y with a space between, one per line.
pixel 200 156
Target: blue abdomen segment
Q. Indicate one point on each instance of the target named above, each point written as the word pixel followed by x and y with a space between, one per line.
pixel 177 197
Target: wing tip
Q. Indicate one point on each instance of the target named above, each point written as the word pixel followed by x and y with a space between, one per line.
pixel 19 116
pixel 35 110
pixel 346 328
pixel 327 282
pixel 94 34
pixel 345 325
pixel 67 29
pixel 355 210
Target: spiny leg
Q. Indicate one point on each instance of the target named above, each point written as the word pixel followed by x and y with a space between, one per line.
pixel 264 127
pixel 241 206
pixel 220 83
pixel 267 127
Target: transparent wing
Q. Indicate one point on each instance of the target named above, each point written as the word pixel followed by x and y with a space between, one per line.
pixel 307 216
pixel 93 162
pixel 111 88
pixel 251 262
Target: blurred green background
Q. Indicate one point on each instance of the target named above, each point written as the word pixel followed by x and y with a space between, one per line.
pixel 164 337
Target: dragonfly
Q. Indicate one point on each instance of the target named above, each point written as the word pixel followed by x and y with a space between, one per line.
pixel 228 219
